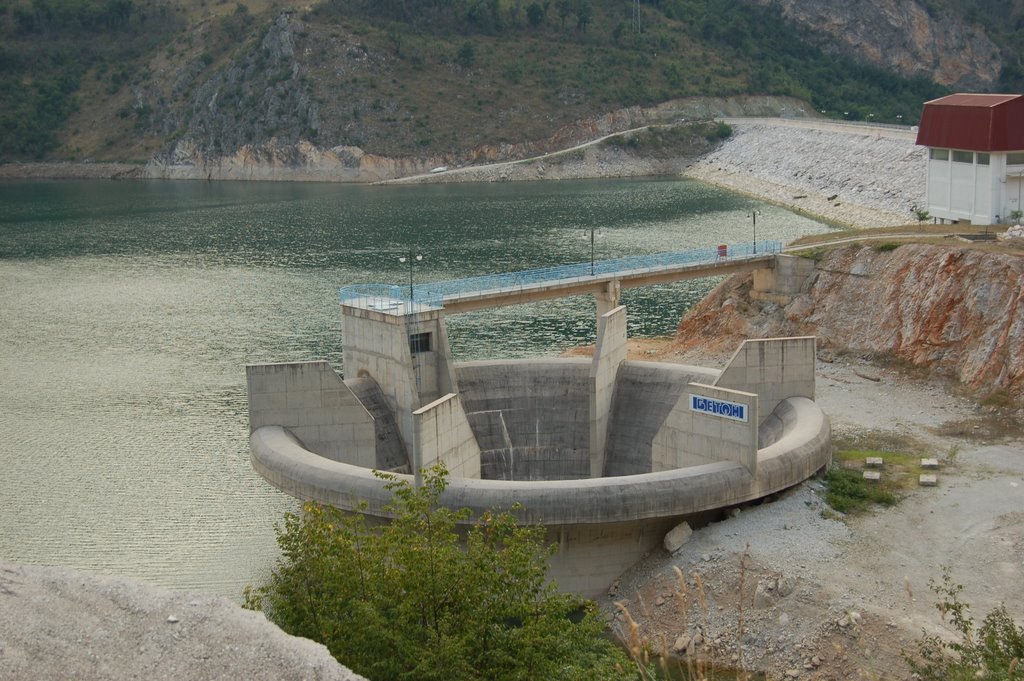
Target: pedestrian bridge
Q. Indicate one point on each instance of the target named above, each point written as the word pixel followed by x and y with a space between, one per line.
pixel 603 279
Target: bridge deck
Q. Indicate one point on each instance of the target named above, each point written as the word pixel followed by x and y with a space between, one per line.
pixel 511 288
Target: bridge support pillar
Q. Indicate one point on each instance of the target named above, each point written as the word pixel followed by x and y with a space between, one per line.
pixel 787 277
pixel 607 298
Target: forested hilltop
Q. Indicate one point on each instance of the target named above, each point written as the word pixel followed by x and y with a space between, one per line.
pixel 129 80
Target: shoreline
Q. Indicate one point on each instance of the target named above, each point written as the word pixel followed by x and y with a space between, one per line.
pixel 71 170
pixel 847 176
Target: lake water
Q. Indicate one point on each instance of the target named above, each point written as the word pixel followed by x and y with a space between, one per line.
pixel 128 312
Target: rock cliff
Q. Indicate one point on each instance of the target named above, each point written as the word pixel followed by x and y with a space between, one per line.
pixel 904 36
pixel 957 312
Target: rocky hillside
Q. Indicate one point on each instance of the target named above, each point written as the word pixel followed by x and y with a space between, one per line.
pixel 328 82
pixel 666 148
pixel 903 36
pixel 953 311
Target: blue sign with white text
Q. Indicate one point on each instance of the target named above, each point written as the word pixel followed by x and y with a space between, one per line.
pixel 727 410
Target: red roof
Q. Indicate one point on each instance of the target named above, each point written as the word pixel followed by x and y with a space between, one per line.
pixel 973 122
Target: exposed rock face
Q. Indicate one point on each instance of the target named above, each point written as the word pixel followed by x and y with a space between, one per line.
pixel 280 160
pixel 903 36
pixel 957 311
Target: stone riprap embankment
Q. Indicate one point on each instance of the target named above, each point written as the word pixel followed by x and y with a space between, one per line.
pixel 861 176
pixel 61 624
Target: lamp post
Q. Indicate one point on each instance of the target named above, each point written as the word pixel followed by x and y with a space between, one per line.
pixel 753 216
pixel 410 259
pixel 591 230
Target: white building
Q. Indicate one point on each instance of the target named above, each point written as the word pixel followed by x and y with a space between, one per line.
pixel 975 157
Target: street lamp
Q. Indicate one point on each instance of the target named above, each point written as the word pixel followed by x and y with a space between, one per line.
pixel 410 259
pixel 592 231
pixel 752 215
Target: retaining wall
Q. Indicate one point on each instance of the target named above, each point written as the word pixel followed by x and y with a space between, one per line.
pixel 311 401
pixel 773 368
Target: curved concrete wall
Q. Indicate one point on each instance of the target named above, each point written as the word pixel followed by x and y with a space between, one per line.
pixel 602 525
pixel 803 449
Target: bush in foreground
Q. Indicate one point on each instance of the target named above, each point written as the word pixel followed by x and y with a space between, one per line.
pixel 410 600
pixel 992 652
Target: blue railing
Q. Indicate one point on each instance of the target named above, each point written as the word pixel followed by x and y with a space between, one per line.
pixel 387 298
pixel 432 294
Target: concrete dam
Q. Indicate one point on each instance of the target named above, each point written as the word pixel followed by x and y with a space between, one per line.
pixel 608 454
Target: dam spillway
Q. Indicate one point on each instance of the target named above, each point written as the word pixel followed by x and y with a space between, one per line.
pixel 608 454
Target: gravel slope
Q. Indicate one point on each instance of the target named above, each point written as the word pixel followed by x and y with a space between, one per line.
pixel 61 624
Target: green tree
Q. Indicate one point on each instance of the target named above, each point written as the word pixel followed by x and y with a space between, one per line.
pixel 535 14
pixel 584 14
pixel 409 600
pixel 466 55
pixel 921 215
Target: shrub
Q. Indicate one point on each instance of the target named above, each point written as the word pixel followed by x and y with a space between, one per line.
pixel 466 55
pixel 994 652
pixel 409 600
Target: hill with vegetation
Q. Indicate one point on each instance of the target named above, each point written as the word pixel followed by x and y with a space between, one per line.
pixel 127 80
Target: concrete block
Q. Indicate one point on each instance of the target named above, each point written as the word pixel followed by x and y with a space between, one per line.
pixel 336 398
pixel 310 417
pixel 930 464
pixel 874 462
pixel 303 399
pixel 335 435
pixel 928 480
pixel 269 417
pixel 872 476
pixel 306 434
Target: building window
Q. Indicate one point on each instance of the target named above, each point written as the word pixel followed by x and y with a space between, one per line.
pixel 939 154
pixel 1015 158
pixel 982 159
pixel 963 157
pixel 419 342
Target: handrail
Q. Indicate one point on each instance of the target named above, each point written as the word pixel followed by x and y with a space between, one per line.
pixel 395 299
